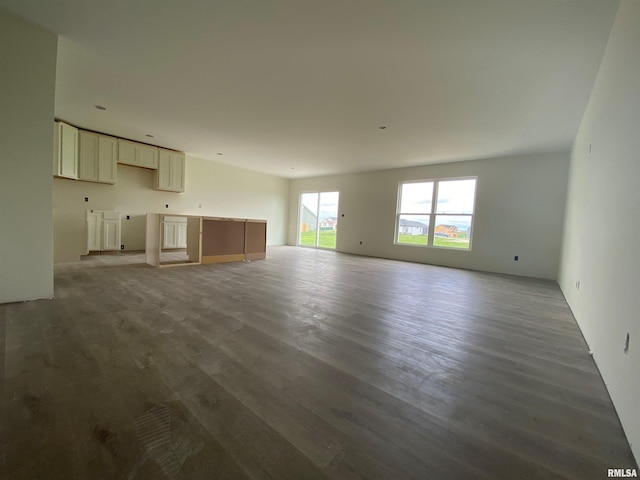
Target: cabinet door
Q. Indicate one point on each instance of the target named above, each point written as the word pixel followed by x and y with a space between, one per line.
pixel 88 156
pixel 181 235
pixel 170 174
pixel 127 152
pixel 107 159
pixel 169 235
pixel 147 156
pixel 56 148
pixel 67 151
pixel 94 227
pixel 111 231
pixel 163 175
pixel 177 172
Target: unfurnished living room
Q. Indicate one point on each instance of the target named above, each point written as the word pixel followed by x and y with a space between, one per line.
pixel 333 239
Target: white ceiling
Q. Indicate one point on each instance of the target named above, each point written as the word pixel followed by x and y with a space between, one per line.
pixel 300 87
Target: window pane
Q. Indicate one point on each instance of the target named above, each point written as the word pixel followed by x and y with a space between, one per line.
pixel 413 229
pixel 452 231
pixel 328 218
pixel 308 219
pixel 416 197
pixel 456 196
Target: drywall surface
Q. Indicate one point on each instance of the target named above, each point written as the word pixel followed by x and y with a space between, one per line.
pixel 602 226
pixel 519 211
pixel 211 189
pixel 27 88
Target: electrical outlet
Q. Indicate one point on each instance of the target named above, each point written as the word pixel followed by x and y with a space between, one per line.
pixel 515 259
pixel 121 247
pixel 360 242
pixel 166 206
pixel 86 199
pixel 128 217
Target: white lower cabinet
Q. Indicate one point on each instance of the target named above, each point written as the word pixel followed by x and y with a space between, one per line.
pixel 103 230
pixel 174 232
pixel 94 228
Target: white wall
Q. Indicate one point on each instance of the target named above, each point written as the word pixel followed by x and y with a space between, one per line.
pixel 27 86
pixel 602 226
pixel 519 211
pixel 222 190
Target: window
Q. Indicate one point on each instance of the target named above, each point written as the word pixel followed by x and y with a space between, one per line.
pixel 436 213
pixel 414 213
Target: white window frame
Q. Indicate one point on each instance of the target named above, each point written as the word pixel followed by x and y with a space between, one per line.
pixel 432 214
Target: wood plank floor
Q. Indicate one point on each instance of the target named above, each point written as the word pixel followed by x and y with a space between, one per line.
pixel 309 364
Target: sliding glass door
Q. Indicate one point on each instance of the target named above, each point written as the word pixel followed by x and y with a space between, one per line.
pixel 318 219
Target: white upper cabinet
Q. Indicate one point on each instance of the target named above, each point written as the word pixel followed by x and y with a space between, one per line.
pixel 88 157
pixel 148 156
pixel 98 157
pixel 107 159
pixel 171 171
pixel 137 154
pixel 127 152
pixel 65 157
pixel 94 157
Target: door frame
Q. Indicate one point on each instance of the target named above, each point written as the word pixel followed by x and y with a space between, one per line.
pixel 299 221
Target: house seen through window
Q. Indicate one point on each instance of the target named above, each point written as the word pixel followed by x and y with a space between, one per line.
pixel 436 213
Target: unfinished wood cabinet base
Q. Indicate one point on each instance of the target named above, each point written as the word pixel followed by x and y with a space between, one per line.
pixel 210 240
pixel 222 258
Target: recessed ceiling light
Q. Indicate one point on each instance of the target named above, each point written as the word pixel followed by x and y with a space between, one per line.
pixel 219 154
pixel 382 127
pixel 148 135
pixel 100 107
